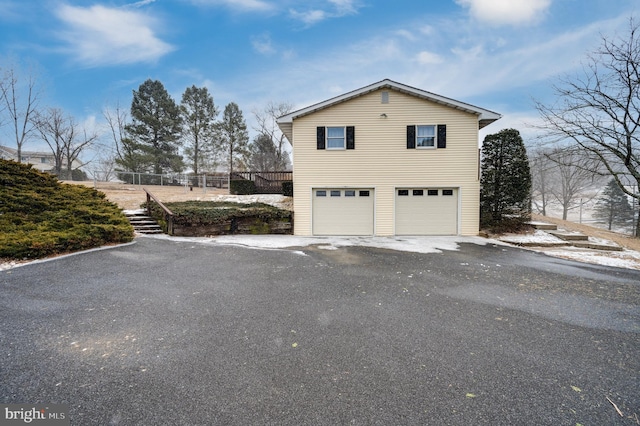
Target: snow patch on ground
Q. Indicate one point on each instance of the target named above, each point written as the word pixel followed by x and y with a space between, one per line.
pixel 410 244
pixel 538 236
pixel 629 259
pixel 134 212
pixel 276 200
pixel 621 259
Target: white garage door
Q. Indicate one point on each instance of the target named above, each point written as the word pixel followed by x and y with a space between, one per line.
pixel 342 211
pixel 426 211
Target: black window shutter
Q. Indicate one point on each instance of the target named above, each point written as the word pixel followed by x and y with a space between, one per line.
pixel 321 137
pixel 411 137
pixel 351 137
pixel 442 135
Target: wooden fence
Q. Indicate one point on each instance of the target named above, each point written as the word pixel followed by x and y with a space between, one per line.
pixel 266 182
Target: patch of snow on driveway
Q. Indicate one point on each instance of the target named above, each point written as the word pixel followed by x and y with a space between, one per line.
pixel 410 244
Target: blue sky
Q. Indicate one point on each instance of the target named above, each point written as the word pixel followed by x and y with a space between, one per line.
pixel 496 54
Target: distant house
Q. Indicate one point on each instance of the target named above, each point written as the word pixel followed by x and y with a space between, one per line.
pixel 42 161
pixel 386 159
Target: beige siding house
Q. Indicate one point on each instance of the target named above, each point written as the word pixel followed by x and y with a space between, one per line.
pixel 42 161
pixel 386 159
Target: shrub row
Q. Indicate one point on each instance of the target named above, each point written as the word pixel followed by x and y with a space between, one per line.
pixel 248 187
pixel 204 213
pixel 242 187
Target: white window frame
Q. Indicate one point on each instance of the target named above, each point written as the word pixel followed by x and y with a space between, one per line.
pixel 343 138
pixel 435 136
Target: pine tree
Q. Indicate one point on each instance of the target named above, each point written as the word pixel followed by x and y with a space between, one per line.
pixel 505 194
pixel 234 137
pixel 613 206
pixel 199 118
pixel 155 130
pixel 264 156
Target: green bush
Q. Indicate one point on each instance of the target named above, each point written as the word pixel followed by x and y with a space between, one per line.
pixel 507 225
pixel 287 189
pixel 40 216
pixel 204 213
pixel 242 187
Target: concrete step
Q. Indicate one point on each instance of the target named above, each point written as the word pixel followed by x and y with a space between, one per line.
pixel 569 236
pixel 149 231
pixel 544 226
pixel 597 245
pixel 142 223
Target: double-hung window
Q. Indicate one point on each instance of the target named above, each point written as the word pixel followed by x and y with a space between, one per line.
pixel 335 138
pixel 426 137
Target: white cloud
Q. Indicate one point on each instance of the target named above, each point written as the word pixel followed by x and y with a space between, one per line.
pixel 506 12
pixel 427 30
pixel 263 44
pixel 99 35
pixel 477 66
pixel 314 15
pixel 425 57
pixel 140 3
pixel 474 70
pixel 407 35
pixel 310 17
pixel 524 122
pixel 8 11
pixel 239 5
pixel 344 7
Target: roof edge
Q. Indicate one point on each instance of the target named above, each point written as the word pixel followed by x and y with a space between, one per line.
pixel 485 116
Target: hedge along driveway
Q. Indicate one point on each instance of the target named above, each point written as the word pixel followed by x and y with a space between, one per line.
pixel 164 332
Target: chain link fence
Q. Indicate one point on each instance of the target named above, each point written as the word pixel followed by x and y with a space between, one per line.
pixel 190 182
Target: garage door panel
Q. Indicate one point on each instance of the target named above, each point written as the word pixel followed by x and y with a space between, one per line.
pixel 343 211
pixel 426 211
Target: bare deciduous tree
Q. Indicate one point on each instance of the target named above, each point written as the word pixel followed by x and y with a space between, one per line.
pixel 598 110
pixel 19 99
pixel 572 177
pixel 541 180
pixel 65 138
pixel 103 168
pixel 117 119
pixel 266 125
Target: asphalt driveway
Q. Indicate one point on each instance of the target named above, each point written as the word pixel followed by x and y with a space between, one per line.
pixel 181 333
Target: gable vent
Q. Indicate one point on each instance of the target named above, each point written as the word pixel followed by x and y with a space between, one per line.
pixel 384 97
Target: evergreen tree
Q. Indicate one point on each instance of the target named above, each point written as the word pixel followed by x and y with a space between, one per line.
pixel 199 119
pixel 613 206
pixel 155 130
pixel 234 137
pixel 264 156
pixel 506 180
